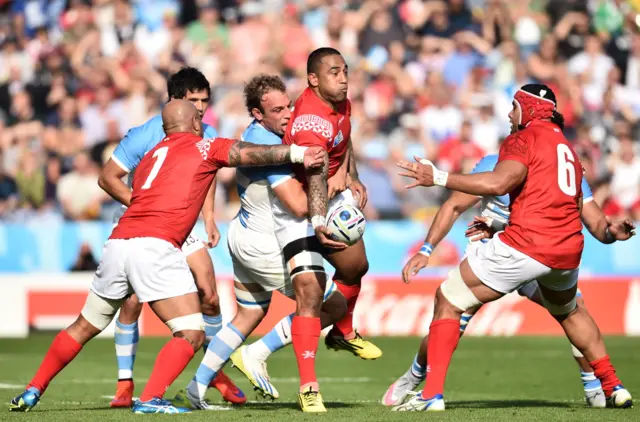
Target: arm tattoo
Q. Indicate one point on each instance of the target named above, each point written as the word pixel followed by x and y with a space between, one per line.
pixel 318 196
pixel 248 154
pixel 353 171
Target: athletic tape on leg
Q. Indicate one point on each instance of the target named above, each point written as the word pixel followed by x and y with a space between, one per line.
pixel 306 262
pixel 256 300
pixel 186 322
pixel 558 309
pixel 99 311
pixel 457 292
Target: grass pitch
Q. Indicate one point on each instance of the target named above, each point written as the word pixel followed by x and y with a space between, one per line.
pixel 494 379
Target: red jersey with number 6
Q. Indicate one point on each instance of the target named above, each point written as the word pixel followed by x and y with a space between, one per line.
pixel 545 209
pixel 170 185
pixel 315 123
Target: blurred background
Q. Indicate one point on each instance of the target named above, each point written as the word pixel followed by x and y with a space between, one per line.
pixel 427 77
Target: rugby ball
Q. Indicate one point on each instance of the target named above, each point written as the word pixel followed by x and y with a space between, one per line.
pixel 346 224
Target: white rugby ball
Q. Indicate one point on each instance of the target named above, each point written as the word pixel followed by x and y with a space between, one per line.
pixel 346 224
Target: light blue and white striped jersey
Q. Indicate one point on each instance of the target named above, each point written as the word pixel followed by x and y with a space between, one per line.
pixel 497 207
pixel 142 139
pixel 255 183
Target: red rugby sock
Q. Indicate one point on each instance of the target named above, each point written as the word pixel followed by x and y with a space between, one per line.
pixel 443 340
pixel 344 327
pixel 305 333
pixel 606 373
pixel 63 350
pixel 171 361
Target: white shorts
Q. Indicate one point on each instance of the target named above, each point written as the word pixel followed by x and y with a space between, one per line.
pixel 505 269
pixel 191 245
pixel 290 229
pixel 258 261
pixel 151 268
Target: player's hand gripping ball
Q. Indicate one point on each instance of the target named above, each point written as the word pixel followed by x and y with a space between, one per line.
pixel 346 224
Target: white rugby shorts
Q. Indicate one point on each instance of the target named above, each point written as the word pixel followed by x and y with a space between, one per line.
pixel 505 269
pixel 191 245
pixel 258 262
pixel 151 268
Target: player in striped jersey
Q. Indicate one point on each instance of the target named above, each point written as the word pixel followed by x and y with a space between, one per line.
pixel 258 263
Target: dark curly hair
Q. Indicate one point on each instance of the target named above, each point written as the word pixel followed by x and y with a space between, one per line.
pixel 257 87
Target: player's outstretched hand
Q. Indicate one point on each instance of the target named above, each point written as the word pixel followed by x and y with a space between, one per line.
pixel 621 230
pixel 314 157
pixel 324 236
pixel 479 229
pixel 415 264
pixel 360 191
pixel 422 173
pixel 213 234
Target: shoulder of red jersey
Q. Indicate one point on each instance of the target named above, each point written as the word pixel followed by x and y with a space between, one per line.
pixel 310 121
pixel 516 147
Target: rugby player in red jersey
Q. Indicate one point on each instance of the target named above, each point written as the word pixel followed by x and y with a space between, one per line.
pixel 321 117
pixel 143 255
pixel 543 241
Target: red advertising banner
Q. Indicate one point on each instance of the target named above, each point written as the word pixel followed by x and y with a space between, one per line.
pixel 387 307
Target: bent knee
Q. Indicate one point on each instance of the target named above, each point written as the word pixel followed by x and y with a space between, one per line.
pixel 356 271
pixel 195 338
pixel 336 306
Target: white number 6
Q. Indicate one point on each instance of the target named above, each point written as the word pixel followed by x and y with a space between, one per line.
pixel 566 170
pixel 160 155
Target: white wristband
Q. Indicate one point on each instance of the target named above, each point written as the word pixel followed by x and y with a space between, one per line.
pixel 296 153
pixel 317 221
pixel 439 177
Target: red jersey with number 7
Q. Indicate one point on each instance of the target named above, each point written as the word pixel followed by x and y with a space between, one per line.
pixel 545 209
pixel 170 185
pixel 315 123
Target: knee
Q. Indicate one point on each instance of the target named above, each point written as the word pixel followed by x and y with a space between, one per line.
pixel 190 327
pixel 336 306
pixel 309 294
pixel 195 338
pixel 131 307
pixel 356 271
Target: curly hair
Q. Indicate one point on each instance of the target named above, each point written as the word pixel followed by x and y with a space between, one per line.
pixel 257 87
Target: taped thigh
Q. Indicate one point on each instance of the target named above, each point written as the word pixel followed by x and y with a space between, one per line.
pixel 455 290
pixel 558 309
pixel 99 311
pixel 255 299
pixel 187 322
pixel 304 256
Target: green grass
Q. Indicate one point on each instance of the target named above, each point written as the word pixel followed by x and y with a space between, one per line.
pixel 490 379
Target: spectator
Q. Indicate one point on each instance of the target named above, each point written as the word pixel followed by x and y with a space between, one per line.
pixel 625 167
pixel 8 193
pixel 427 77
pixel 30 181
pixel 78 191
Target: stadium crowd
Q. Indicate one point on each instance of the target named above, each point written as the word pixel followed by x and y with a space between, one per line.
pixel 429 78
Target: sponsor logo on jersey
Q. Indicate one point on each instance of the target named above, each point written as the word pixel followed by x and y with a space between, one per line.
pixel 311 122
pixel 204 146
pixel 339 138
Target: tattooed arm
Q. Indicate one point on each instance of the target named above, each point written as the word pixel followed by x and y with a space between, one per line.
pixel 318 199
pixel 233 153
pixel 248 154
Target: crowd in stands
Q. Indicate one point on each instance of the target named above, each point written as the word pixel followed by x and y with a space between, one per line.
pixel 427 77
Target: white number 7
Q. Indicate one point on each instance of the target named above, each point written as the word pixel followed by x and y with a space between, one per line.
pixel 160 155
pixel 566 170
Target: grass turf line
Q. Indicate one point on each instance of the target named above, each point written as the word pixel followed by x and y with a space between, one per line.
pixel 525 378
